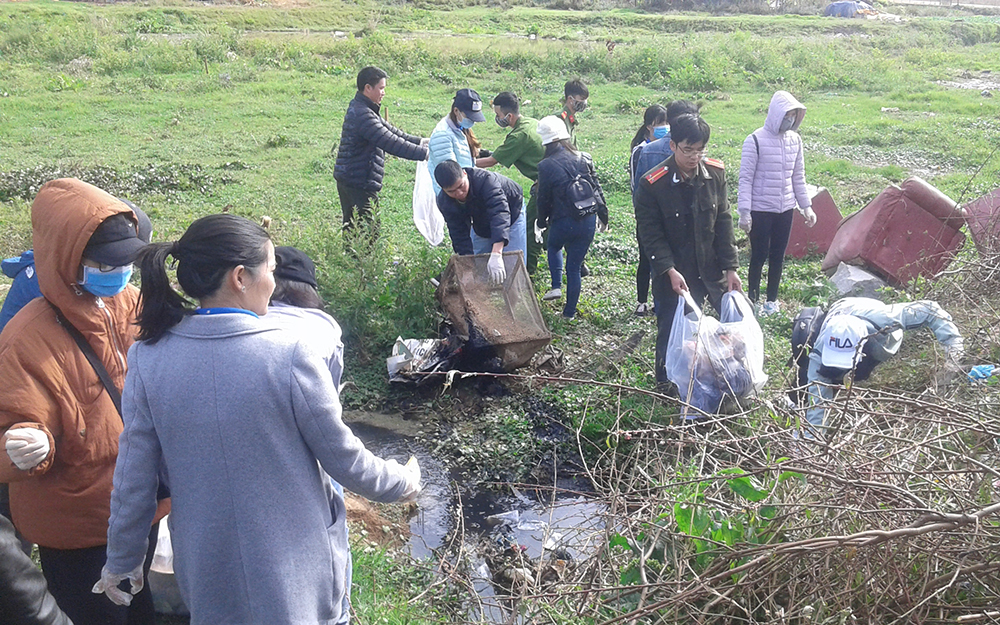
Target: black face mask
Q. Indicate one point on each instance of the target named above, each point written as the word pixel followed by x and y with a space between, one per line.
pixel 502 122
pixel 580 106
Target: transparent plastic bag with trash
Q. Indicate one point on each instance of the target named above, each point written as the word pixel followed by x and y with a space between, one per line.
pixel 711 360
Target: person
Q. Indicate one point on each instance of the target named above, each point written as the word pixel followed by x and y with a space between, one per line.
pixel 21 269
pixel 61 423
pixel 521 148
pixel 570 227
pixel 654 126
pixel 859 333
pixel 657 151
pixel 243 418
pixel 576 98
pixel 23 289
pixel 684 224
pixel 772 182
pixel 297 305
pixel 24 597
pixel 364 140
pixel 493 205
pixel 452 139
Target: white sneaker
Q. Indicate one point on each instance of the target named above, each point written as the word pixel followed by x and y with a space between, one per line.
pixel 643 310
pixel 552 294
pixel 769 308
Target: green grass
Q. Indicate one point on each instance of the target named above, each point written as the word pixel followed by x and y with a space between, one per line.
pixel 190 109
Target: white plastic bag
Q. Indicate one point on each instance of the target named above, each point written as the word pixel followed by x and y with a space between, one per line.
pixel 709 360
pixel 163 556
pixel 426 215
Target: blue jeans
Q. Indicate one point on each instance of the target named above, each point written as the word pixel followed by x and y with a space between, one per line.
pixel 517 240
pixel 576 236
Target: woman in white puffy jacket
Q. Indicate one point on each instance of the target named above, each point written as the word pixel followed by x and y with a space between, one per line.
pixel 452 139
pixel 772 183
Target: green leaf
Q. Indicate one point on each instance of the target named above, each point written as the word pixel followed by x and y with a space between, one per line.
pixel 617 540
pixel 744 487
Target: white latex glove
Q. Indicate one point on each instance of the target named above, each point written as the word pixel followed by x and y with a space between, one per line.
pixel 539 233
pixel 601 227
pixel 746 221
pixel 108 585
pixel 412 470
pixel 810 216
pixel 425 142
pixel 496 269
pixel 27 447
pixel 955 350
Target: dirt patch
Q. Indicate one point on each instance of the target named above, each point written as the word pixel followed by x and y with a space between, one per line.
pixel 377 525
pixel 919 163
pixel 976 81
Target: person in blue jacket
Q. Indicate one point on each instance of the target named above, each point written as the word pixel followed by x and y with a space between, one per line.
pixel 22 270
pixel 452 139
pixel 484 212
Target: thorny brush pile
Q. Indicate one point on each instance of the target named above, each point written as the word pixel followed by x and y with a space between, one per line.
pixel 892 518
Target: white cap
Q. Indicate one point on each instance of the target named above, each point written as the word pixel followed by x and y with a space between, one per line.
pixel 552 128
pixel 842 338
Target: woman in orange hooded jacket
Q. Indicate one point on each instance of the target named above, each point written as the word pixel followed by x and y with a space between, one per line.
pixel 60 425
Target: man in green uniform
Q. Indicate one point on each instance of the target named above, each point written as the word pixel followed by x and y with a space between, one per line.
pixel 522 148
pixel 685 226
pixel 575 95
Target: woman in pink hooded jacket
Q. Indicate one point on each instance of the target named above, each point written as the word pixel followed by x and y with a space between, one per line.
pixel 772 183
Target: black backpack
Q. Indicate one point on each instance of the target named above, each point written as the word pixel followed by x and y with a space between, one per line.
pixel 805 328
pixel 581 193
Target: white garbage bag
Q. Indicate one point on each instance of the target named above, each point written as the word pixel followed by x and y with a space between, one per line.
pixel 426 215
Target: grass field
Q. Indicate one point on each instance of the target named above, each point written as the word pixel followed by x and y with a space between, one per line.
pixel 190 109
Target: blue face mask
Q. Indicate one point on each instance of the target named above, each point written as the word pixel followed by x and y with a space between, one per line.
pixel 659 132
pixel 105 283
pixel 466 123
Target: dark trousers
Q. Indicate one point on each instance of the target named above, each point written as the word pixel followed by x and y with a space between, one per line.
pixel 768 240
pixel 534 248
pixel 642 276
pixel 72 573
pixel 360 209
pixel 5 511
pixel 665 301
pixel 575 235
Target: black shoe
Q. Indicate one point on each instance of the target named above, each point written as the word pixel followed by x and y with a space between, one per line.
pixel 584 270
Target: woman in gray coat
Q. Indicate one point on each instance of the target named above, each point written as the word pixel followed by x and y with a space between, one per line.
pixel 240 419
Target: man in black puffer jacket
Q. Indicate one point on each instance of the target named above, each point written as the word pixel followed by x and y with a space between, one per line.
pixel 364 140
pixel 24 597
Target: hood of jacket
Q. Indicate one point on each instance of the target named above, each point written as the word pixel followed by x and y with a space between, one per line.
pixel 64 215
pixel 781 103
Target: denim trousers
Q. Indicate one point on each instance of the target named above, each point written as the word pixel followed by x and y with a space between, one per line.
pixel 517 240
pixel 575 236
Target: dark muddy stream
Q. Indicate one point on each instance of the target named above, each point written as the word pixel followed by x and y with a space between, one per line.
pixel 495 528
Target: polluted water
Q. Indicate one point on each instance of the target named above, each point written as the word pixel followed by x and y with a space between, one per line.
pixel 508 538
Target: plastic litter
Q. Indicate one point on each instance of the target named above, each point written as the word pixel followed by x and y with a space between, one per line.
pixel 982 372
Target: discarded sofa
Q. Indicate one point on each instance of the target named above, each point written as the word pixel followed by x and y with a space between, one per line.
pixel 804 240
pixel 907 231
pixel 984 221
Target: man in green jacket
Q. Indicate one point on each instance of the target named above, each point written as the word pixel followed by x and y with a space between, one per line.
pixel 685 226
pixel 522 148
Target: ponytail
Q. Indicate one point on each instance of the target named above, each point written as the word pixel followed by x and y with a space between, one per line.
pixel 161 307
pixel 653 114
pixel 209 248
